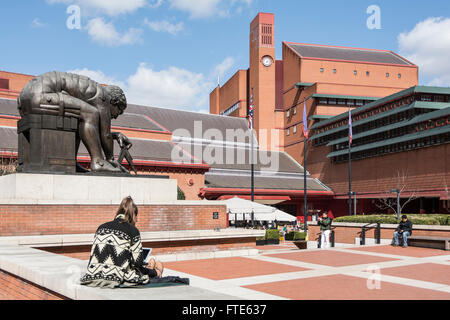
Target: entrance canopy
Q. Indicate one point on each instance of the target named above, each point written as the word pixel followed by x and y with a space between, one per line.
pixel 240 209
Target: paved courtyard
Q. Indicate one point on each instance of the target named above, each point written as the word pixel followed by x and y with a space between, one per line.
pixel 283 272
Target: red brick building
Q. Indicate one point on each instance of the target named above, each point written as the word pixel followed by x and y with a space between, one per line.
pixel 399 128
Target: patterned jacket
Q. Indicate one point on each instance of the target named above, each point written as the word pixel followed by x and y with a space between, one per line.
pixel 116 257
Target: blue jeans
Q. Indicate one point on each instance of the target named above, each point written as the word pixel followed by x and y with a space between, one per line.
pixel 405 234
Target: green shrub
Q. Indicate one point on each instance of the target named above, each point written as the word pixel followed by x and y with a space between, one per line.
pixel 181 195
pixel 272 234
pixel 424 219
pixel 295 235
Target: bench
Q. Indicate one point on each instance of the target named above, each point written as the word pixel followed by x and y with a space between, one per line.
pixel 429 242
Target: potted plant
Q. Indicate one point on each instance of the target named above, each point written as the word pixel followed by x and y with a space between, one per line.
pixel 260 241
pixel 272 236
pixel 300 240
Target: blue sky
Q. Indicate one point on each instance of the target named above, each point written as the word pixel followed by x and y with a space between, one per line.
pixel 169 52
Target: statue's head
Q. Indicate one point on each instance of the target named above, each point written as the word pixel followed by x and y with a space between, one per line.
pixel 117 100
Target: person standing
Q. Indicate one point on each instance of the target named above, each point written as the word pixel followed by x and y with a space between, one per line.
pixel 404 229
pixel 325 229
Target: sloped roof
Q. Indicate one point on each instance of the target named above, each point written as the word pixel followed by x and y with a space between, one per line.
pixel 184 122
pixel 235 181
pixel 326 52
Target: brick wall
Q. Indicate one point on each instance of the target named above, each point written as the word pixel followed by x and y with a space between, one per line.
pixel 26 220
pixel 348 234
pixel 15 288
pixel 82 252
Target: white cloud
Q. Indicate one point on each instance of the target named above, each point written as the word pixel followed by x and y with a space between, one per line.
pixel 98 76
pixel 106 34
pixel 171 88
pixel 222 68
pixel 36 23
pixel 109 7
pixel 209 8
pixel 164 26
pixel 428 46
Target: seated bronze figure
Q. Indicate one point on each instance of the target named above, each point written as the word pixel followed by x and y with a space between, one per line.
pixel 70 95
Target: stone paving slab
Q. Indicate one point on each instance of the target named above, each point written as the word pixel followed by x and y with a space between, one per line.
pixel 332 258
pixel 230 268
pixel 400 251
pixel 426 272
pixel 343 287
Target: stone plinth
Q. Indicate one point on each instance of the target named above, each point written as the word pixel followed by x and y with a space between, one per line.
pixel 84 189
pixel 47 144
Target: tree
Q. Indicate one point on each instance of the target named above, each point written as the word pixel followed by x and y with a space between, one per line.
pixel 447 193
pixel 397 203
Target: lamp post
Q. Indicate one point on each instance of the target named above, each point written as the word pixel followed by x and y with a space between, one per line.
pixel 397 191
pixel 354 202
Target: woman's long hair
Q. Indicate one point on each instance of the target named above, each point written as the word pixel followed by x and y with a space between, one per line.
pixel 129 210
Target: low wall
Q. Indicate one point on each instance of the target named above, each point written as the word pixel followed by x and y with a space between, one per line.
pixel 59 218
pixel 347 232
pixel 16 288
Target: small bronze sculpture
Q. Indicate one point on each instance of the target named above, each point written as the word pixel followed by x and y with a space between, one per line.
pixel 66 96
pixel 125 145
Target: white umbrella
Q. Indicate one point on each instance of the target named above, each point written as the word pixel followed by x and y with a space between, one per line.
pixel 241 209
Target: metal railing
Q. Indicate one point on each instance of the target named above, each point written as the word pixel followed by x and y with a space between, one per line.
pixel 368 227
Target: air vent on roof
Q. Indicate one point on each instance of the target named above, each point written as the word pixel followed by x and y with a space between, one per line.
pixel 4 84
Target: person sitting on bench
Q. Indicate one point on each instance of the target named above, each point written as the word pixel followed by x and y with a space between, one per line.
pixel 404 229
pixel 117 257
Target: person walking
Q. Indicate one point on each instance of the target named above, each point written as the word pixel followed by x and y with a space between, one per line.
pixel 325 229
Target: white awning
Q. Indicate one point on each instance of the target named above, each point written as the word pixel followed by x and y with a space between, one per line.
pixel 241 209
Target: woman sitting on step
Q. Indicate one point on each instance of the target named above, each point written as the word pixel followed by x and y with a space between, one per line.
pixel 117 258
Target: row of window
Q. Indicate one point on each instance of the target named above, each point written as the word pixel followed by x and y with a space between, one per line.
pixel 397 132
pixel 294 130
pixel 230 110
pixel 404 146
pixel 386 107
pixel 355 72
pixel 392 119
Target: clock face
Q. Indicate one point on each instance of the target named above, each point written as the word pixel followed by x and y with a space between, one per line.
pixel 267 61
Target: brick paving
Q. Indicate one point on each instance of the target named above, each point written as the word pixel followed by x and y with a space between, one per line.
pixel 363 273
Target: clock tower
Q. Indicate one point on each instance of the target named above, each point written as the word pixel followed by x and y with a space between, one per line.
pixel 262 78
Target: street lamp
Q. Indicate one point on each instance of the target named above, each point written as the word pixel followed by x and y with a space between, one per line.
pixel 397 191
pixel 354 202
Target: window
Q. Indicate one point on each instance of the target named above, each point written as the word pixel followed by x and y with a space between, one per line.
pixel 334 70
pixel 288 131
pixel 323 101
pixel 387 74
pixel 399 75
pixel 294 110
pixel 355 72
pixel 288 113
pixel 341 102
pixel 294 129
pixel 367 73
pixel 332 101
pixel 321 70
pixel 4 84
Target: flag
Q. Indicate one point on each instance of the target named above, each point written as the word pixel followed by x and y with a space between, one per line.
pixel 305 121
pixel 250 112
pixel 350 129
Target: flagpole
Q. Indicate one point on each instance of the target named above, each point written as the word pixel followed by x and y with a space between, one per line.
pixel 252 165
pixel 350 133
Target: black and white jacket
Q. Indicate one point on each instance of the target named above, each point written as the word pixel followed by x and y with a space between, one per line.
pixel 116 257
